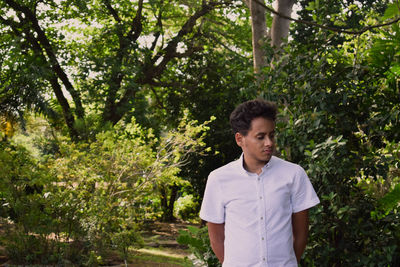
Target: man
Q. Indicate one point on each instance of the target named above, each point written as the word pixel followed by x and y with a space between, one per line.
pixel 256 207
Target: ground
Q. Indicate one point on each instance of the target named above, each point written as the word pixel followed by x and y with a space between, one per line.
pixel 160 239
pixel 160 250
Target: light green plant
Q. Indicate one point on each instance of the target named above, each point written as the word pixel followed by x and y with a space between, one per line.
pixel 106 180
pixel 186 208
pixel 199 244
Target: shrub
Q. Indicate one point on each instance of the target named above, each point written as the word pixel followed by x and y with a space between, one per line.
pixel 88 197
pixel 186 208
pixel 199 244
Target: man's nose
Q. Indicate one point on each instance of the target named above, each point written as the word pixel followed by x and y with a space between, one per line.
pixel 268 141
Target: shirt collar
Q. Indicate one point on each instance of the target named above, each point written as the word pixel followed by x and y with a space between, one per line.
pixel 239 165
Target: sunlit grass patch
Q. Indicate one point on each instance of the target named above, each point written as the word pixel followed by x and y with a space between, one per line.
pixel 160 257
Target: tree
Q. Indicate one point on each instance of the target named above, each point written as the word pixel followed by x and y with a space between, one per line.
pixel 259 33
pixel 145 59
pixel 102 58
pixel 335 16
pixel 279 29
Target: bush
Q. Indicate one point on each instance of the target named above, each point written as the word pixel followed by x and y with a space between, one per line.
pixel 199 244
pixel 339 121
pixel 88 198
pixel 186 208
pixel 22 191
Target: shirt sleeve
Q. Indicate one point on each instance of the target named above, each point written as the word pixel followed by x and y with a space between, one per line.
pixel 212 208
pixel 303 195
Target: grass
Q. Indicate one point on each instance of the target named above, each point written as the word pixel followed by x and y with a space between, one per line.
pixel 159 257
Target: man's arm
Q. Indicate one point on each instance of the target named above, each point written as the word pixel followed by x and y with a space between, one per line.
pixel 300 232
pixel 216 232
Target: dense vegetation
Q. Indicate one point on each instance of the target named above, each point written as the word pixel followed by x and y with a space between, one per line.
pixel 114 112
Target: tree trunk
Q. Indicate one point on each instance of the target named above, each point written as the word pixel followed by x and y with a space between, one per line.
pixel 280 26
pixel 278 32
pixel 67 113
pixel 259 32
pixel 172 198
pixel 45 44
pixel 167 203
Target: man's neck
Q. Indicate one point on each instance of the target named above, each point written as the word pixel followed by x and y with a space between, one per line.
pixel 254 167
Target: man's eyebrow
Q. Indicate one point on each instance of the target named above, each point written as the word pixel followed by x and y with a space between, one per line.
pixel 270 131
pixel 265 133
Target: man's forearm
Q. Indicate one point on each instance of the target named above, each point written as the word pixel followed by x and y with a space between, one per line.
pixel 216 233
pixel 300 232
pixel 299 245
pixel 218 248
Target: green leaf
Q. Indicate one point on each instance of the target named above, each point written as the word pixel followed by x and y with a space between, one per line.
pixel 391 199
pixel 391 11
pixel 311 6
pixel 396 70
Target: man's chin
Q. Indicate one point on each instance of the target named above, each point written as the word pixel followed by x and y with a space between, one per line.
pixel 266 158
pixel 267 155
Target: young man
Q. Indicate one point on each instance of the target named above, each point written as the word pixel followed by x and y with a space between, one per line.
pixel 256 207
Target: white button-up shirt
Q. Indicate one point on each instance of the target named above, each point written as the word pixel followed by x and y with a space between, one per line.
pixel 257 211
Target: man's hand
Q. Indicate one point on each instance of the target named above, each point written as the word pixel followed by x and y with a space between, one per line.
pixel 216 233
pixel 300 232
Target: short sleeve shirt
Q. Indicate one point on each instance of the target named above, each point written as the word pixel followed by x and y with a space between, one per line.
pixel 257 211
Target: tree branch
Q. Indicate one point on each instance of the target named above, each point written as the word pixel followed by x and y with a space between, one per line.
pixel 37 50
pixel 117 75
pixel 170 51
pixel 150 70
pixel 49 51
pixel 12 24
pixel 167 84
pixel 329 28
pixel 212 36
pixel 137 27
pixel 160 27
pixel 112 11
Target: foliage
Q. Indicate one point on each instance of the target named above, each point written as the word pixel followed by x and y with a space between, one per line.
pixel 198 241
pixel 110 57
pixel 89 196
pixel 186 208
pixel 348 15
pixel 113 174
pixel 388 202
pixel 210 84
pixel 155 63
pixel 339 119
pixel 22 201
pixel 385 188
pixel 68 202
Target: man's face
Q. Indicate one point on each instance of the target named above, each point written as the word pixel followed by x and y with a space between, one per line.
pixel 259 143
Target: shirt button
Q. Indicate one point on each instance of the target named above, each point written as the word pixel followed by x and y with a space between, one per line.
pixel 263 259
pixel 258 178
pixel 262 238
pixel 260 197
pixel 262 218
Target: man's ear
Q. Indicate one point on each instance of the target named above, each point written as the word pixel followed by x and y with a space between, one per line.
pixel 239 139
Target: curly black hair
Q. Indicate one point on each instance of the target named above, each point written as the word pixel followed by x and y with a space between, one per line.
pixel 243 114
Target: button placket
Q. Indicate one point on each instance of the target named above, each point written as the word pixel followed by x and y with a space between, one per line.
pixel 262 221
